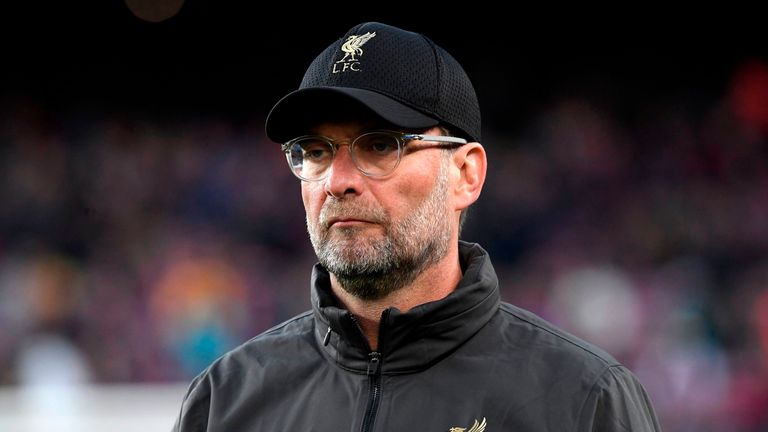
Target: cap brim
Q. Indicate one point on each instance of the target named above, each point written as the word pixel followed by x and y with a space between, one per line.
pixel 297 111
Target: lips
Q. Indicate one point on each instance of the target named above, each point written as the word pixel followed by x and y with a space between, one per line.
pixel 351 214
pixel 346 221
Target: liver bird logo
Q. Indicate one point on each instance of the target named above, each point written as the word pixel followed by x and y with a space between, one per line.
pixel 477 427
pixel 352 46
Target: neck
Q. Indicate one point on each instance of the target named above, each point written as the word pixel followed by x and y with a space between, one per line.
pixel 434 283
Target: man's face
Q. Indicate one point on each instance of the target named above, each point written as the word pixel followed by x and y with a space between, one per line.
pixel 375 235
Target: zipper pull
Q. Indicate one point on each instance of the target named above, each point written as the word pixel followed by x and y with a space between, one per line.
pixel 374 365
pixel 327 337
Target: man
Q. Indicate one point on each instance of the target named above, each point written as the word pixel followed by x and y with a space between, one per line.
pixel 407 331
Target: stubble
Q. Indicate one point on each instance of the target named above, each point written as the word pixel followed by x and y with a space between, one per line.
pixel 371 267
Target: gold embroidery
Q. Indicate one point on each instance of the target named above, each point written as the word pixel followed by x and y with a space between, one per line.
pixel 352 46
pixel 477 427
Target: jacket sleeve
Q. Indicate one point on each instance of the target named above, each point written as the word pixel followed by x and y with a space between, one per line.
pixel 617 403
pixel 193 415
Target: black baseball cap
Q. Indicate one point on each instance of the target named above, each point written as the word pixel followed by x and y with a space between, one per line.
pixel 400 76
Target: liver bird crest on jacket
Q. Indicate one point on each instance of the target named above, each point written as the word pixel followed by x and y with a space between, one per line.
pixel 477 427
pixel 352 46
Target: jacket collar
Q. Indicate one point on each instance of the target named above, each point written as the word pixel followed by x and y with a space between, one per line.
pixel 414 340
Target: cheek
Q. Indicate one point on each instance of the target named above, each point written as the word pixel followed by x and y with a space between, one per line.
pixel 415 190
pixel 311 198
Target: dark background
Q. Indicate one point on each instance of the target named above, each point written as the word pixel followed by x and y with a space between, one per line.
pixel 238 58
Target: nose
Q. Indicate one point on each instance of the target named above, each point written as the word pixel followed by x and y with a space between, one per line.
pixel 343 176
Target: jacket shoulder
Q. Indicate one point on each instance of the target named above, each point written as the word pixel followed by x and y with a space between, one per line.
pixel 289 343
pixel 611 398
pixel 287 339
pixel 541 333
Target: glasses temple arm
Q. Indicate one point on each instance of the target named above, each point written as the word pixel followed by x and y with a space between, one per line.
pixel 438 138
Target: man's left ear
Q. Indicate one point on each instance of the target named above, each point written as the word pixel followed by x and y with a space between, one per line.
pixel 470 163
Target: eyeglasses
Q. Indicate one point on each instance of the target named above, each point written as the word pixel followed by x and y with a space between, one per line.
pixel 375 153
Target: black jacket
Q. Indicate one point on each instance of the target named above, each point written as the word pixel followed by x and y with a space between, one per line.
pixel 467 362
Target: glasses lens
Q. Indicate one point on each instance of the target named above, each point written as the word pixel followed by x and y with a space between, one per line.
pixel 376 153
pixel 310 158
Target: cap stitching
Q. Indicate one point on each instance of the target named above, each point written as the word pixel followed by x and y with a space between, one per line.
pixel 439 86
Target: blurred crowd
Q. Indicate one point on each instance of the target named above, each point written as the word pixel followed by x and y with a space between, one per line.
pixel 139 249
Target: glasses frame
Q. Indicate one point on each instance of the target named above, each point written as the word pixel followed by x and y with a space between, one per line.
pixel 402 138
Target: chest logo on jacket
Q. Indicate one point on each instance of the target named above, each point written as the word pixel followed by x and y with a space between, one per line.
pixel 477 427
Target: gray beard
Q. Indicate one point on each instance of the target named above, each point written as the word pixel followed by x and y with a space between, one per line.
pixel 373 268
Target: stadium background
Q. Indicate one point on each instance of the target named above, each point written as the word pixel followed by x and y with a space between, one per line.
pixel 147 225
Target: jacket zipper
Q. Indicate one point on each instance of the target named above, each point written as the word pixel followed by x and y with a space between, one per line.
pixel 374 392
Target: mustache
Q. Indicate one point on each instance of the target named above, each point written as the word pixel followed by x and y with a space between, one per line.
pixel 335 209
